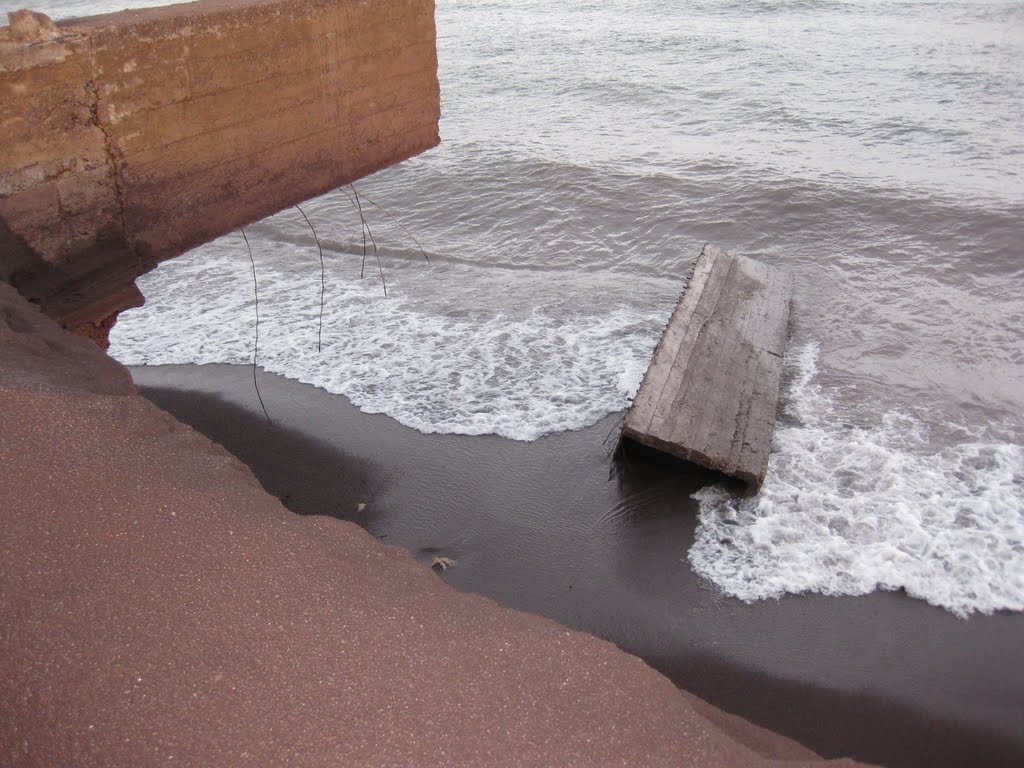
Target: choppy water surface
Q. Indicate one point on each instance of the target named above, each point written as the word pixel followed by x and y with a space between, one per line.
pixel 589 149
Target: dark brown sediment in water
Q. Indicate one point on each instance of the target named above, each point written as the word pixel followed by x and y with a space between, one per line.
pixel 541 527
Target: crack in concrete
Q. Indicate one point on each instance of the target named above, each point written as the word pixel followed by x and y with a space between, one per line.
pixel 113 166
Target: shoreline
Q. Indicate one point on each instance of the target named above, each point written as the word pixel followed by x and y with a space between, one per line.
pixel 540 527
pixel 159 605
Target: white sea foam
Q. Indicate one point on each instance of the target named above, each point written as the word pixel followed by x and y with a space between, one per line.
pixel 518 371
pixel 849 509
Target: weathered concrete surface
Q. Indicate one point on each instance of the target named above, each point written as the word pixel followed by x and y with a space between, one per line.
pixel 711 391
pixel 129 138
pixel 157 606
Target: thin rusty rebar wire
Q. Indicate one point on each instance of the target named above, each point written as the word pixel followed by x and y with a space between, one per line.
pixel 256 339
pixel 399 223
pixel 373 242
pixel 323 279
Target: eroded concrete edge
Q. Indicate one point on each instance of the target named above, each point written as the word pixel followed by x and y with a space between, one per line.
pixel 132 137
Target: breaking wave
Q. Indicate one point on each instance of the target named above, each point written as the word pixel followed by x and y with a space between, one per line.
pixel 846 510
pixel 519 371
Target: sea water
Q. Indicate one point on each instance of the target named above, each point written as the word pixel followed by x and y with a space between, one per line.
pixel 874 148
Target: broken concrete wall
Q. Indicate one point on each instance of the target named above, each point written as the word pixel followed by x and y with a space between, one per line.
pixel 129 138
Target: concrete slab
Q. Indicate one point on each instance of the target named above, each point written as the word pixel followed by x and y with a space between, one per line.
pixel 711 391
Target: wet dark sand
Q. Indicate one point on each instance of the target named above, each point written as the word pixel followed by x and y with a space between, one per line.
pixel 157 605
pixel 541 527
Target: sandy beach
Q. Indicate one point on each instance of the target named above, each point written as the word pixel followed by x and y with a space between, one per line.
pixel 548 527
pixel 436 551
pixel 159 606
